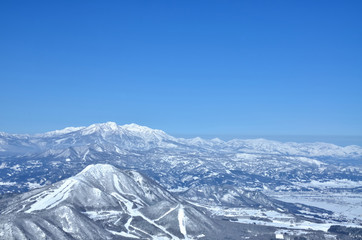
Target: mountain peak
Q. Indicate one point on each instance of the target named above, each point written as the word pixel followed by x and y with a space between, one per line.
pixel 60 132
pixel 109 206
pixel 133 127
pixel 105 127
pixel 111 125
pixel 98 169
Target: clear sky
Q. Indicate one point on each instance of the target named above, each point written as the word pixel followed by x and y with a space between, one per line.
pixel 227 68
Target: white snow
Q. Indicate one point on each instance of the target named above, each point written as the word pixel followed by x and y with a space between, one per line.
pixel 33 185
pixel 101 128
pixel 245 156
pixel 347 206
pixel 128 223
pixel 3 165
pixel 16 168
pixel 166 213
pixel 85 155
pixel 279 236
pixel 178 189
pixel 286 224
pixel 53 198
pixel 307 160
pixel 338 183
pixel 181 221
pixel 280 220
pixel 100 215
pixel 136 212
pixel 60 132
pixel 124 234
pixel 7 183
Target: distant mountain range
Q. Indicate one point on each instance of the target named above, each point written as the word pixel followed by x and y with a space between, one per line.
pixel 133 136
pixel 176 162
pixel 131 181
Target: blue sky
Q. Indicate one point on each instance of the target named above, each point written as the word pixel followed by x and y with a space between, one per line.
pixel 218 68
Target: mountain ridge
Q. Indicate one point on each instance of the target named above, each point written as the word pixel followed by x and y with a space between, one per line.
pixel 175 162
pixel 149 134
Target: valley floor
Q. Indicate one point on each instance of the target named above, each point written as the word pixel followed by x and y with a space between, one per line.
pixel 347 206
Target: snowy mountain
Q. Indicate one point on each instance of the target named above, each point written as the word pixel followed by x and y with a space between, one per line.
pixel 227 182
pixel 100 202
pixel 103 202
pixel 133 136
pixel 175 162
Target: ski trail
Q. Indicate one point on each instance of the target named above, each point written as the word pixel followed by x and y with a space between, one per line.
pixel 53 198
pixel 85 155
pixel 168 212
pixel 135 212
pixel 181 221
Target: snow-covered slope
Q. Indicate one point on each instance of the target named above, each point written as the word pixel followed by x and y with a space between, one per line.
pixel 97 186
pixel 102 202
